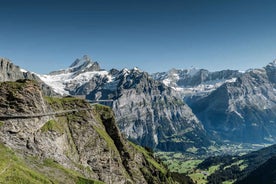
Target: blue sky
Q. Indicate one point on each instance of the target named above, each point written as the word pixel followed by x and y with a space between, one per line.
pixel 154 35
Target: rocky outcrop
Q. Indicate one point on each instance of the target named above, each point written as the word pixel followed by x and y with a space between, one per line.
pixel 68 135
pixel 11 72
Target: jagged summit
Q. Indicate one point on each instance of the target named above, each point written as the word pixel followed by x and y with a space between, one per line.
pixel 272 64
pixel 81 61
pixel 85 64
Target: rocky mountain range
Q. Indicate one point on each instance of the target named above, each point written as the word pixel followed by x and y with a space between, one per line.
pixel 192 83
pixel 175 110
pixel 147 111
pixel 243 110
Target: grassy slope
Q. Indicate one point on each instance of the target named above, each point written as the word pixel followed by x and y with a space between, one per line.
pixel 14 169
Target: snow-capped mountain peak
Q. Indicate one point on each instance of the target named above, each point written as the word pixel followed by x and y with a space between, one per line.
pixel 85 64
pixel 80 71
pixel 195 81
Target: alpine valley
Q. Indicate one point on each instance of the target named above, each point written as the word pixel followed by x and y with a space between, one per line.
pixel 54 129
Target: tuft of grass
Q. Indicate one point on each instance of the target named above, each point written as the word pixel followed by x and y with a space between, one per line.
pixel 103 110
pixel 52 125
pixel 106 137
pixel 87 181
pixel 1 123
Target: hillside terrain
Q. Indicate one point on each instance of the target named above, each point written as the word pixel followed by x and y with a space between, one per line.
pixel 266 173
pixel 66 140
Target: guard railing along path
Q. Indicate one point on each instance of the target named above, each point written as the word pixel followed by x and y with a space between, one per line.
pixel 25 116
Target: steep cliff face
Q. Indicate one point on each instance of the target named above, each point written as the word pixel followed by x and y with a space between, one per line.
pixel 243 110
pixel 66 140
pixel 11 72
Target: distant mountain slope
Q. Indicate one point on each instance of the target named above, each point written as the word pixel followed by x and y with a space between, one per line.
pixel 147 111
pixel 236 168
pixel 232 105
pixel 244 110
pixel 266 173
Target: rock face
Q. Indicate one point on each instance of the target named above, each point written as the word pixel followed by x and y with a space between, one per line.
pixel 146 111
pixel 70 81
pixel 11 72
pixel 243 110
pixel 82 139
